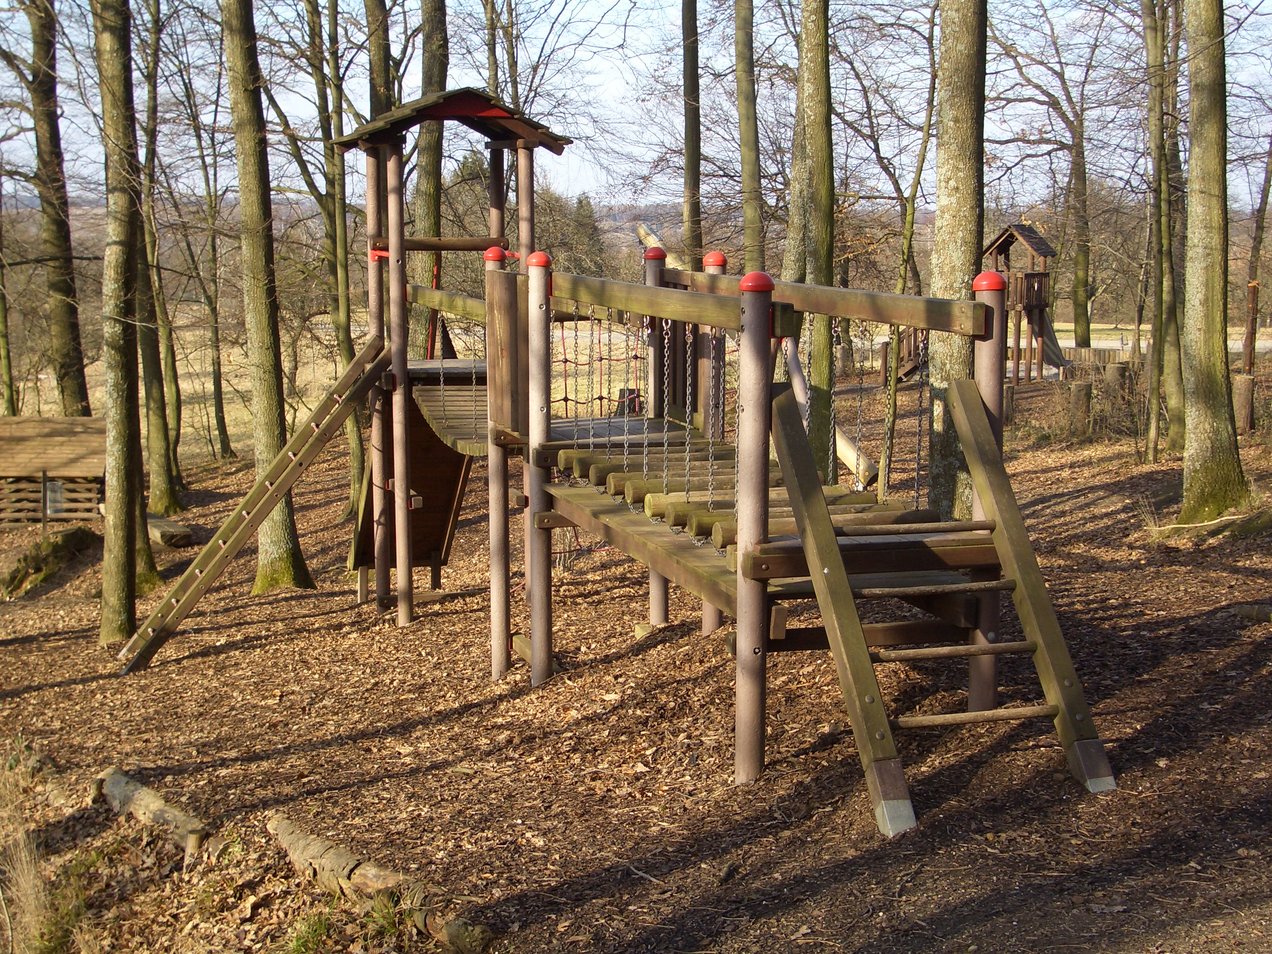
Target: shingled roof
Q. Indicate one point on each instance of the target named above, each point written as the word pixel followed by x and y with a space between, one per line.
pixel 474 108
pixel 1026 235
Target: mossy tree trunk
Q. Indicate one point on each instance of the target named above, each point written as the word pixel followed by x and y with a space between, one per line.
pixel 1213 479
pixel 279 560
pixel 959 218
pixel 125 535
pixel 814 68
pixel 691 209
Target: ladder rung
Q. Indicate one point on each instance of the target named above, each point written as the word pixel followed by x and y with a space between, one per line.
pixel 943 719
pixel 953 652
pixel 936 589
pixel 907 529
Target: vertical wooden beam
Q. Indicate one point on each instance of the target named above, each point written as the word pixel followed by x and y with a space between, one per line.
pixel 754 414
pixel 497 193
pixel 989 359
pixel 655 258
pixel 710 377
pixel 525 248
pixel 539 553
pixel 498 329
pixel 398 335
pixel 375 327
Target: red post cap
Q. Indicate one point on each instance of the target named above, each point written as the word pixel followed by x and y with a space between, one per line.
pixel 756 282
pixel 494 254
pixel 715 258
pixel 654 253
pixel 539 260
pixel 989 281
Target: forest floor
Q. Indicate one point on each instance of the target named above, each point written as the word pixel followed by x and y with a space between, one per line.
pixel 597 813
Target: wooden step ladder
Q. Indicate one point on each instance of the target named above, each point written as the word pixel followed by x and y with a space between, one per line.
pixel 304 446
pixel 947 559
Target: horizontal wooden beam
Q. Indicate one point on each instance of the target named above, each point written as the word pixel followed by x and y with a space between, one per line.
pixel 452 303
pixel 443 243
pixel 879 554
pixel 935 314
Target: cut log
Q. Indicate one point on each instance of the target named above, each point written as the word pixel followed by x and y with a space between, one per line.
pixel 341 872
pixel 127 795
pixel 1259 612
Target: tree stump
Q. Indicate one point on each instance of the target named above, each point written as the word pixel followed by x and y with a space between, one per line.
pixel 1080 408
pixel 1243 402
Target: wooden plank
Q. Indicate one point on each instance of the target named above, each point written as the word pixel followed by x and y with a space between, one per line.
pixel 62 447
pixel 786 557
pixel 671 303
pixel 845 519
pixel 936 314
pixel 700 570
pixel 945 720
pixel 1056 673
pixel 858 685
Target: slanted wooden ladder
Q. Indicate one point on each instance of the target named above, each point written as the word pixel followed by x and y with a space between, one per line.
pixel 283 472
pixel 918 562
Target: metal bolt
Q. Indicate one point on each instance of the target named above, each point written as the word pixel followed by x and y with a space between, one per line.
pixel 879 735
pixel 1068 683
pixel 869 698
pixel 757 650
pixel 1079 717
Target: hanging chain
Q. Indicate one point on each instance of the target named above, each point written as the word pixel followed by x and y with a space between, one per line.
pixel 648 334
pixel 591 377
pixel 712 416
pixel 479 335
pixel 918 429
pixel 666 397
pixel 860 356
pixel 836 342
pixel 607 379
pixel 689 333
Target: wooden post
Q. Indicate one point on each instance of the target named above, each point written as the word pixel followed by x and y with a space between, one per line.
pixel 495 190
pixel 44 504
pixel 497 495
pixel 525 248
pixel 655 258
pixel 1015 348
pixel 989 363
pixel 1243 402
pixel 398 335
pixel 1029 347
pixel 375 327
pixel 539 555
pixel 754 414
pixel 1251 328
pixel 711 371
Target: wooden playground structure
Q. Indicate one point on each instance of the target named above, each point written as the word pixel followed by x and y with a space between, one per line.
pixel 649 416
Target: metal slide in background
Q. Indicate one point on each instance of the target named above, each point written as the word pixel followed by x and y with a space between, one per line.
pixel 283 472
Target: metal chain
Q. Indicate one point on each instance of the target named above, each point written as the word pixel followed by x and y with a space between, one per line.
pixel 480 334
pixel 666 396
pixel 860 356
pixel 836 341
pixel 648 329
pixel 591 377
pixel 918 430
pixel 688 400
pixel 712 415
pixel 607 378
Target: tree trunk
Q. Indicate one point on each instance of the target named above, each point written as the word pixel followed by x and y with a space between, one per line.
pixel 50 182
pixel 279 560
pixel 1081 238
pixel 814 68
pixel 1159 248
pixel 692 211
pixel 341 305
pixel 383 82
pixel 6 360
pixel 112 34
pixel 1213 479
pixel 959 218
pixel 428 188
pixel 748 136
pixel 1172 232
pixel 1252 270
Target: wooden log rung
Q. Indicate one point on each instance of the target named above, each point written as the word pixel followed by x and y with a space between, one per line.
pixel 941 720
pixel 936 589
pixel 953 652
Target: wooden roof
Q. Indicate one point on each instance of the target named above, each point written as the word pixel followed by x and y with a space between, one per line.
pixel 1027 235
pixel 58 446
pixel 474 108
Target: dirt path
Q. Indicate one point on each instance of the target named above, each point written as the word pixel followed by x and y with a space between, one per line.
pixel 597 813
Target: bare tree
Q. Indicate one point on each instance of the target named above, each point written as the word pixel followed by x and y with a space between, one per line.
pixel 279 561
pixel 748 135
pixel 959 223
pixel 38 76
pixel 1213 479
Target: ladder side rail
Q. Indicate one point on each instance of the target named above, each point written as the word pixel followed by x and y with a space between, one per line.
pixel 1056 673
pixel 239 527
pixel 885 777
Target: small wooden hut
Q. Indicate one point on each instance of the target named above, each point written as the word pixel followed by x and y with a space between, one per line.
pixel 51 469
pixel 1028 289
